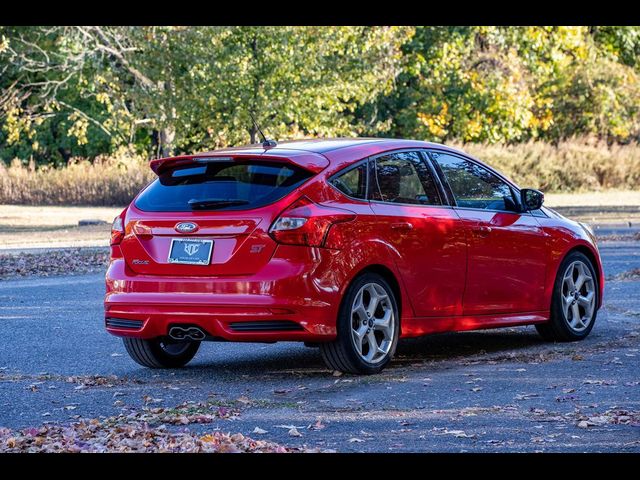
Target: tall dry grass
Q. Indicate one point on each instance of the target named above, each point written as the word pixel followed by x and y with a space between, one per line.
pixel 577 165
pixel 103 182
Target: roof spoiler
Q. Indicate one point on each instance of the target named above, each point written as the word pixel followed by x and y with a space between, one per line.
pixel 309 161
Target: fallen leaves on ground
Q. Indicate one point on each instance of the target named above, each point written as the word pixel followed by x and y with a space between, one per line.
pixel 610 417
pixel 632 274
pixel 107 381
pixel 54 262
pixel 95 436
pixel 82 381
pixel 455 433
pixel 526 396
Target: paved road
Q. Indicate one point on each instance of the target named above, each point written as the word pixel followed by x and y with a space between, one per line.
pixel 500 390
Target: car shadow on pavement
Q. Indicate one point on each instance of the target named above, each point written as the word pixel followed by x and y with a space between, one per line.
pixel 307 362
pixel 449 346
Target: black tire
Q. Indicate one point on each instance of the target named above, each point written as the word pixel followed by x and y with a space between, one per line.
pixel 160 352
pixel 341 354
pixel 557 329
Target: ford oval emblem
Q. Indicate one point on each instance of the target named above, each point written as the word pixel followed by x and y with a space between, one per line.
pixel 186 227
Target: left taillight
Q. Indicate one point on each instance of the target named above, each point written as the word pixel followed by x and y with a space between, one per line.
pixel 307 223
pixel 117 229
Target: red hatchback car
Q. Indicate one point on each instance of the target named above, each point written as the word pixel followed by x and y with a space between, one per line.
pixel 347 244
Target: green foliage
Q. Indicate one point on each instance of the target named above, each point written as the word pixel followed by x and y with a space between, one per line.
pixel 87 91
pixel 510 84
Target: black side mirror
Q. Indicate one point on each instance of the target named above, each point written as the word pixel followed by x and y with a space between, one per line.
pixel 531 199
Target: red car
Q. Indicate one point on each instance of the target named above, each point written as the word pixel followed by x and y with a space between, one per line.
pixel 346 244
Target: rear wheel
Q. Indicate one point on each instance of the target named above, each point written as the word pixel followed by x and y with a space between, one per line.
pixel 368 327
pixel 160 352
pixel 574 302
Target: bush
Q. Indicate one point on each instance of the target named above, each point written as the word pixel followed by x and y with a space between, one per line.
pixel 571 166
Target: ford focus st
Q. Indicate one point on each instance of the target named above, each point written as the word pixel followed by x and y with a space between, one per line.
pixel 345 244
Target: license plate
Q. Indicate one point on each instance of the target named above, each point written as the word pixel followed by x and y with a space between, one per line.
pixel 192 251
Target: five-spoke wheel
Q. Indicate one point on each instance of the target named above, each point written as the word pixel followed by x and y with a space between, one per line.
pixel 372 322
pixel 368 325
pixel 575 300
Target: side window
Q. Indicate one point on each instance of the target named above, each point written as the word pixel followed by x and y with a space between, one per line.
pixel 474 186
pixel 353 182
pixel 403 177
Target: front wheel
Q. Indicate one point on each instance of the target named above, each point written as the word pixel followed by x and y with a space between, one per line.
pixel 575 300
pixel 368 326
pixel 160 352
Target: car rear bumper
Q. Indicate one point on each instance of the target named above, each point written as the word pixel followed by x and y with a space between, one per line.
pixel 291 300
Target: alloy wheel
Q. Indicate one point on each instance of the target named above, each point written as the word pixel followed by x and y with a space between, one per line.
pixel 372 323
pixel 578 296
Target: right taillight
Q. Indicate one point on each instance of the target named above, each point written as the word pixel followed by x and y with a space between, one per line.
pixel 117 230
pixel 307 223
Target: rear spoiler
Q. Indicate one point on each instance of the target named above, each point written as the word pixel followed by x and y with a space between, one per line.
pixel 313 162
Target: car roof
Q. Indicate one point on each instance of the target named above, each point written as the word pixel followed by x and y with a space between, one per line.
pixel 327 145
pixel 313 154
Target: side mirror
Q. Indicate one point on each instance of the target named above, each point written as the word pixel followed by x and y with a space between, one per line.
pixel 531 199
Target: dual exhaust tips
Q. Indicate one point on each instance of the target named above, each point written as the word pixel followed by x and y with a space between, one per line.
pixel 187 333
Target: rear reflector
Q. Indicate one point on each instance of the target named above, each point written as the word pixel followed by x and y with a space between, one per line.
pixel 267 326
pixel 123 323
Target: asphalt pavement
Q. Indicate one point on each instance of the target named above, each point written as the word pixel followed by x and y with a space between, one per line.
pixel 498 390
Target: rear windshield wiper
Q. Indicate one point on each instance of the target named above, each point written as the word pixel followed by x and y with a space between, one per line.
pixel 211 203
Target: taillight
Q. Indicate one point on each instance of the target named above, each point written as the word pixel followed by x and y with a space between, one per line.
pixel 307 223
pixel 117 230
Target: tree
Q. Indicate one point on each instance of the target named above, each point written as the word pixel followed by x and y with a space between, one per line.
pixel 167 89
pixel 509 84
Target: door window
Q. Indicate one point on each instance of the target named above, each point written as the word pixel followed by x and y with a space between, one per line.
pixel 403 177
pixel 474 186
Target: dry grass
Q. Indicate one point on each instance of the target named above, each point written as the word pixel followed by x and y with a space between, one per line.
pixel 105 181
pixel 573 166
pixel 610 198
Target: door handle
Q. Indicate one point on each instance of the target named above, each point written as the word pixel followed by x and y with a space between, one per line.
pixel 481 230
pixel 402 226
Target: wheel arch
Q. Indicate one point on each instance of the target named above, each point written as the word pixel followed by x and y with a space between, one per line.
pixel 390 278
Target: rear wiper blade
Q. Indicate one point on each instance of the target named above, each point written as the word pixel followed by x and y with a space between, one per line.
pixel 215 203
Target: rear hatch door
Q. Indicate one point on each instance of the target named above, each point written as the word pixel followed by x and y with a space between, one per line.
pixel 209 216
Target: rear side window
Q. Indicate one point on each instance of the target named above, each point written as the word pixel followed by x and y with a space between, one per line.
pixel 474 186
pixel 225 185
pixel 352 183
pixel 403 177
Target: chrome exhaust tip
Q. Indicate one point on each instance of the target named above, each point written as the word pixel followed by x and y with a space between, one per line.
pixel 187 333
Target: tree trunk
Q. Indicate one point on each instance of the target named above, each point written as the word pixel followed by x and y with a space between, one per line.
pixel 253 132
pixel 166 138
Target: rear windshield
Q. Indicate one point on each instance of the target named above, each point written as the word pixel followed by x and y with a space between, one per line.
pixel 221 185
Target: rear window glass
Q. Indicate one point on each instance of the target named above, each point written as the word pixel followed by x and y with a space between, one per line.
pixel 223 185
